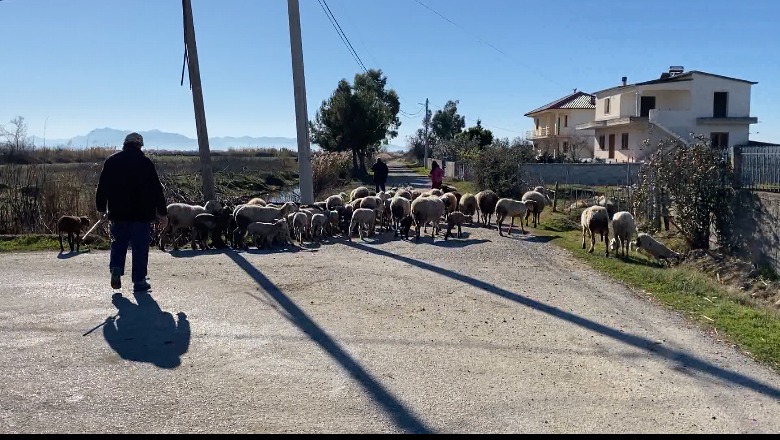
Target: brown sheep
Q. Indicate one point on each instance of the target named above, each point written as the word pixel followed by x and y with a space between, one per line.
pixel 486 206
pixel 71 225
pixel 595 220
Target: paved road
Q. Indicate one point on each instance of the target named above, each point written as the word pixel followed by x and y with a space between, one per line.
pixel 486 334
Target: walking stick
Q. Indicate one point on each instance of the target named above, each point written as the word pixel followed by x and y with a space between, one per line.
pixel 99 222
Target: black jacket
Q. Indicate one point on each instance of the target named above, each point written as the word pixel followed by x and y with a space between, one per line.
pixel 380 171
pixel 130 188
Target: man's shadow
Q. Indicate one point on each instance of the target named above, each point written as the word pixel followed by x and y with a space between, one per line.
pixel 142 332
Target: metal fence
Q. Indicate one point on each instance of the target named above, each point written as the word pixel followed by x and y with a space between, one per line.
pixel 757 168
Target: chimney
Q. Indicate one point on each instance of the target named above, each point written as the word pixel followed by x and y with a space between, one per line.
pixel 624 79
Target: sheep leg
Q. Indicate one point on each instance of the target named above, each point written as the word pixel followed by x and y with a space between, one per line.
pixel 62 248
pixel 460 235
pixel 583 238
pixel 527 214
pixel 592 242
pixel 511 224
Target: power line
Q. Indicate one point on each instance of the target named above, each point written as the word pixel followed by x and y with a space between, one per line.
pixel 482 41
pixel 341 33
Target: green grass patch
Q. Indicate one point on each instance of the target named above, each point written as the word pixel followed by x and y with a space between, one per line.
pixel 753 328
pixel 45 242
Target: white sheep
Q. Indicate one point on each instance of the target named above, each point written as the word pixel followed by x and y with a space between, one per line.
pixel 358 193
pixel 538 195
pixel 333 201
pixel 246 214
pixel 595 220
pixel 264 234
pixel 506 207
pixel 468 205
pixel 623 229
pixel 450 202
pixel 427 209
pixel 405 193
pixel 400 207
pixel 655 248
pixel 257 201
pixel 362 218
pixel 300 226
pixel 319 223
pixel 182 215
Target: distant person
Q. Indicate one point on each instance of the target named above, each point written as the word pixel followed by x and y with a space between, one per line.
pixel 380 174
pixel 131 197
pixel 436 174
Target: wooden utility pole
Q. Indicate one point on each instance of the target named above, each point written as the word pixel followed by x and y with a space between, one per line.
pixel 197 99
pixel 301 113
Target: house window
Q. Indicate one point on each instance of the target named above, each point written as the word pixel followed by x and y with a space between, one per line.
pixel 606 106
pixel 558 126
pixel 537 123
pixel 719 139
pixel 565 120
pixel 720 105
pixel 624 142
pixel 565 147
pixel 602 142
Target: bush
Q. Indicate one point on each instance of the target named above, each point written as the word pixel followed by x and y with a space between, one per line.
pixel 499 167
pixel 330 170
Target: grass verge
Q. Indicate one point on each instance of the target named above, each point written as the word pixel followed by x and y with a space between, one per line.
pixel 45 242
pixel 756 330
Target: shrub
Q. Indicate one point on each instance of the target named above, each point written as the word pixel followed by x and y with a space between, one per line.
pixel 330 169
pixel 499 167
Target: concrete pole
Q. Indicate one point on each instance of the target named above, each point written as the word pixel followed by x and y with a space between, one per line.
pixel 207 175
pixel 425 140
pixel 301 114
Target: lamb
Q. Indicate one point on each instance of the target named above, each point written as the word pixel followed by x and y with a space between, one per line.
pixel 333 222
pixel 400 208
pixel 623 229
pixel 456 218
pixel 486 205
pixel 427 209
pixel 362 217
pixel 182 215
pixel 468 205
pixel 300 225
pixel 318 224
pixel 246 214
pixel 358 193
pixel 595 220
pixel 655 248
pixel 71 225
pixel 538 195
pixel 404 226
pixel 512 208
pixel 266 233
pixel 333 201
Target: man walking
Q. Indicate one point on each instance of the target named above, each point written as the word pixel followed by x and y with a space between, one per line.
pixel 380 174
pixel 131 196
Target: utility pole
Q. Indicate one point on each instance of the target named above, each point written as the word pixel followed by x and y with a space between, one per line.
pixel 197 99
pixel 426 121
pixel 301 114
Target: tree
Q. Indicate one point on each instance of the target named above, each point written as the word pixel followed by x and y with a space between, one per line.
pixel 499 167
pixel 358 117
pixel 15 138
pixel 446 123
pixel 692 182
pixel 477 133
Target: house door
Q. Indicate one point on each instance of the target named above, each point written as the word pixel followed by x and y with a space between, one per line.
pixel 646 103
pixel 612 146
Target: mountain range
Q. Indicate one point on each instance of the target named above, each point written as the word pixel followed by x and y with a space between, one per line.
pixel 156 139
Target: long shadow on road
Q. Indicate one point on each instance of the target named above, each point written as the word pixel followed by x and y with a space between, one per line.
pixel 683 359
pixel 403 416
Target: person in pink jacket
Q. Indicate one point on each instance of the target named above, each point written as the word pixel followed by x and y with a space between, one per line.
pixel 436 174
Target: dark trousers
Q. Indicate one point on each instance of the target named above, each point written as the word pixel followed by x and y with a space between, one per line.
pixel 135 234
pixel 380 185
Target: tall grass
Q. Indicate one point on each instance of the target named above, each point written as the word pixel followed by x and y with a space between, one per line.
pixel 330 170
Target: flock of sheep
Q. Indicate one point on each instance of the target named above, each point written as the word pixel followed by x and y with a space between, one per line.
pixel 363 212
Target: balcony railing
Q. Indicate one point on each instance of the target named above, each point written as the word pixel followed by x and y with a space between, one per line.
pixel 538 133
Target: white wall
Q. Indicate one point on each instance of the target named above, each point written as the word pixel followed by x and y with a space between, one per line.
pixel 636 150
pixel 614 107
pixel 704 88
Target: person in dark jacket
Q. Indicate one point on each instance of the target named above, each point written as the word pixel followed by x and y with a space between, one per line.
pixel 380 174
pixel 131 197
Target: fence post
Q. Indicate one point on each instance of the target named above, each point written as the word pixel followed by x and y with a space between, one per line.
pixel 736 165
pixel 555 197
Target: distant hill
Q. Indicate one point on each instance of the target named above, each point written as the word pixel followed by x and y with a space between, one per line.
pixel 111 137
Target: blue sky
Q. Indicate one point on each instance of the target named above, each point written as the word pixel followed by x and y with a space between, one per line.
pixel 71 66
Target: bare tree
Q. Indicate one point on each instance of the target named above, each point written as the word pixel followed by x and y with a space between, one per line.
pixel 15 137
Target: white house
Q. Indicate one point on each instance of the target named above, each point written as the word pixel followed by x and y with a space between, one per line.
pixel 555 126
pixel 676 105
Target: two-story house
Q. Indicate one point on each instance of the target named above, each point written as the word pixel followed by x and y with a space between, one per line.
pixel 677 105
pixel 555 126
